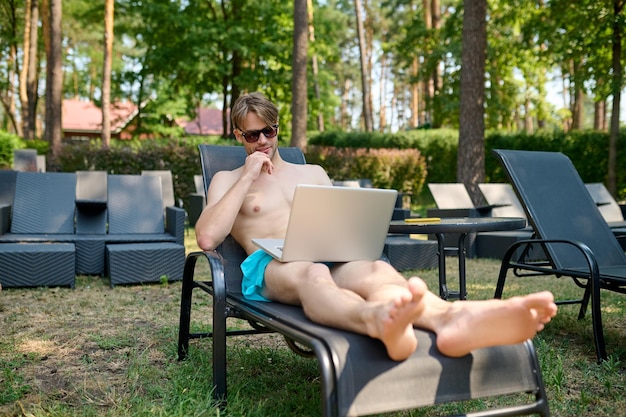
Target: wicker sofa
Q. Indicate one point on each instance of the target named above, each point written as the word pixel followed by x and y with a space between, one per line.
pixel 51 233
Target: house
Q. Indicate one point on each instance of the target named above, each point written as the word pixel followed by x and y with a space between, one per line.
pixel 207 122
pixel 83 119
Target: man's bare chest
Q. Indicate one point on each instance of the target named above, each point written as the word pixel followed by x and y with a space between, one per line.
pixel 266 197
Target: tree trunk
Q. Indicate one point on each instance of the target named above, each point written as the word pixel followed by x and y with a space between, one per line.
pixel 54 78
pixel 24 70
pixel 7 109
pixel 427 84
pixel 599 115
pixel 542 111
pixel 415 94
pixel 235 91
pixel 314 68
pixel 382 114
pixel 437 76
pixel 365 85
pixel 106 74
pixel 32 77
pixel 368 31
pixel 225 112
pixel 12 68
pixel 579 98
pixel 616 64
pixel 567 121
pixel 471 150
pixel 528 118
pixel 236 60
pixel 298 82
pixel 141 92
pixel 344 121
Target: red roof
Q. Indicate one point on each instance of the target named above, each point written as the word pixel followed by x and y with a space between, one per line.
pixel 208 122
pixel 86 117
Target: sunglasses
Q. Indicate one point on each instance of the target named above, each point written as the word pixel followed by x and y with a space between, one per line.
pixel 253 135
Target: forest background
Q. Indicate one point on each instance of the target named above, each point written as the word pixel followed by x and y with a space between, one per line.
pixel 368 65
pixel 409 66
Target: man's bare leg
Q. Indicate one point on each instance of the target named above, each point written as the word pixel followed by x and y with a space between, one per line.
pixel 461 326
pixel 388 316
pixel 392 323
pixel 394 307
pixel 464 326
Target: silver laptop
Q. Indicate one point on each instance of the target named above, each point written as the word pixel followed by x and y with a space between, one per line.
pixel 334 224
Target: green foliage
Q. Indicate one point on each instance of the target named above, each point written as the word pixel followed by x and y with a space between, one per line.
pixel 401 169
pixel 12 384
pixel 588 150
pixel 180 158
pixel 362 140
pixel 437 149
pixel 404 161
pixel 40 145
pixel 8 143
pixel 174 56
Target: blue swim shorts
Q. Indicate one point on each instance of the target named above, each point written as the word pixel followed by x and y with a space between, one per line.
pixel 253 268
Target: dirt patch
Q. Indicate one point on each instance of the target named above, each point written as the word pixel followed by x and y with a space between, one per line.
pixel 77 345
pixel 80 346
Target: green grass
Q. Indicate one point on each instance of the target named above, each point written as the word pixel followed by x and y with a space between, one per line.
pixel 97 351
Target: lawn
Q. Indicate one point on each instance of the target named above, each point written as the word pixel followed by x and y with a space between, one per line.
pixel 97 351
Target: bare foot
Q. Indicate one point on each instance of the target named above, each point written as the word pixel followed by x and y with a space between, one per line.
pixel 392 323
pixel 476 324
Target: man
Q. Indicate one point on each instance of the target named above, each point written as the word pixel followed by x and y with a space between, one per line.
pixel 367 297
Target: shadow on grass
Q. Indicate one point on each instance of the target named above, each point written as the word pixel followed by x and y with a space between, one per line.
pixel 97 351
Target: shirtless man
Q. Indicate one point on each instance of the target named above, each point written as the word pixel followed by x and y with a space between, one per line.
pixel 367 297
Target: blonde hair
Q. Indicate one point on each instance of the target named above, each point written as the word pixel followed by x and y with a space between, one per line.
pixel 256 103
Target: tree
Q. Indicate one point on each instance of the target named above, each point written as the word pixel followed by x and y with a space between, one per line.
pixel 365 84
pixel 299 81
pixel 8 62
pixel 54 78
pixel 406 46
pixel 471 149
pixel 106 74
pixel 616 88
pixel 175 56
pixel 315 69
pixel 335 46
pixel 29 74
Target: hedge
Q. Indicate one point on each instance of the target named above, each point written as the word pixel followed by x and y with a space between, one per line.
pixel 404 161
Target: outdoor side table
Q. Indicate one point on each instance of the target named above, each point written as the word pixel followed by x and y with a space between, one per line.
pixel 462 226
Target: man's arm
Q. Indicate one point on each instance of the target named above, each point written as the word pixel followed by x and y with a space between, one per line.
pixel 225 196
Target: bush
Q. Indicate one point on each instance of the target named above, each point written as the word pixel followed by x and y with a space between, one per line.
pixel 41 146
pixel 403 161
pixel 436 148
pixel 181 159
pixel 401 169
pixel 8 143
pixel 376 140
pixel 588 150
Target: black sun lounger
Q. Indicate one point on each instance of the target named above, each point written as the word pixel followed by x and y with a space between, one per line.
pixel 356 375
